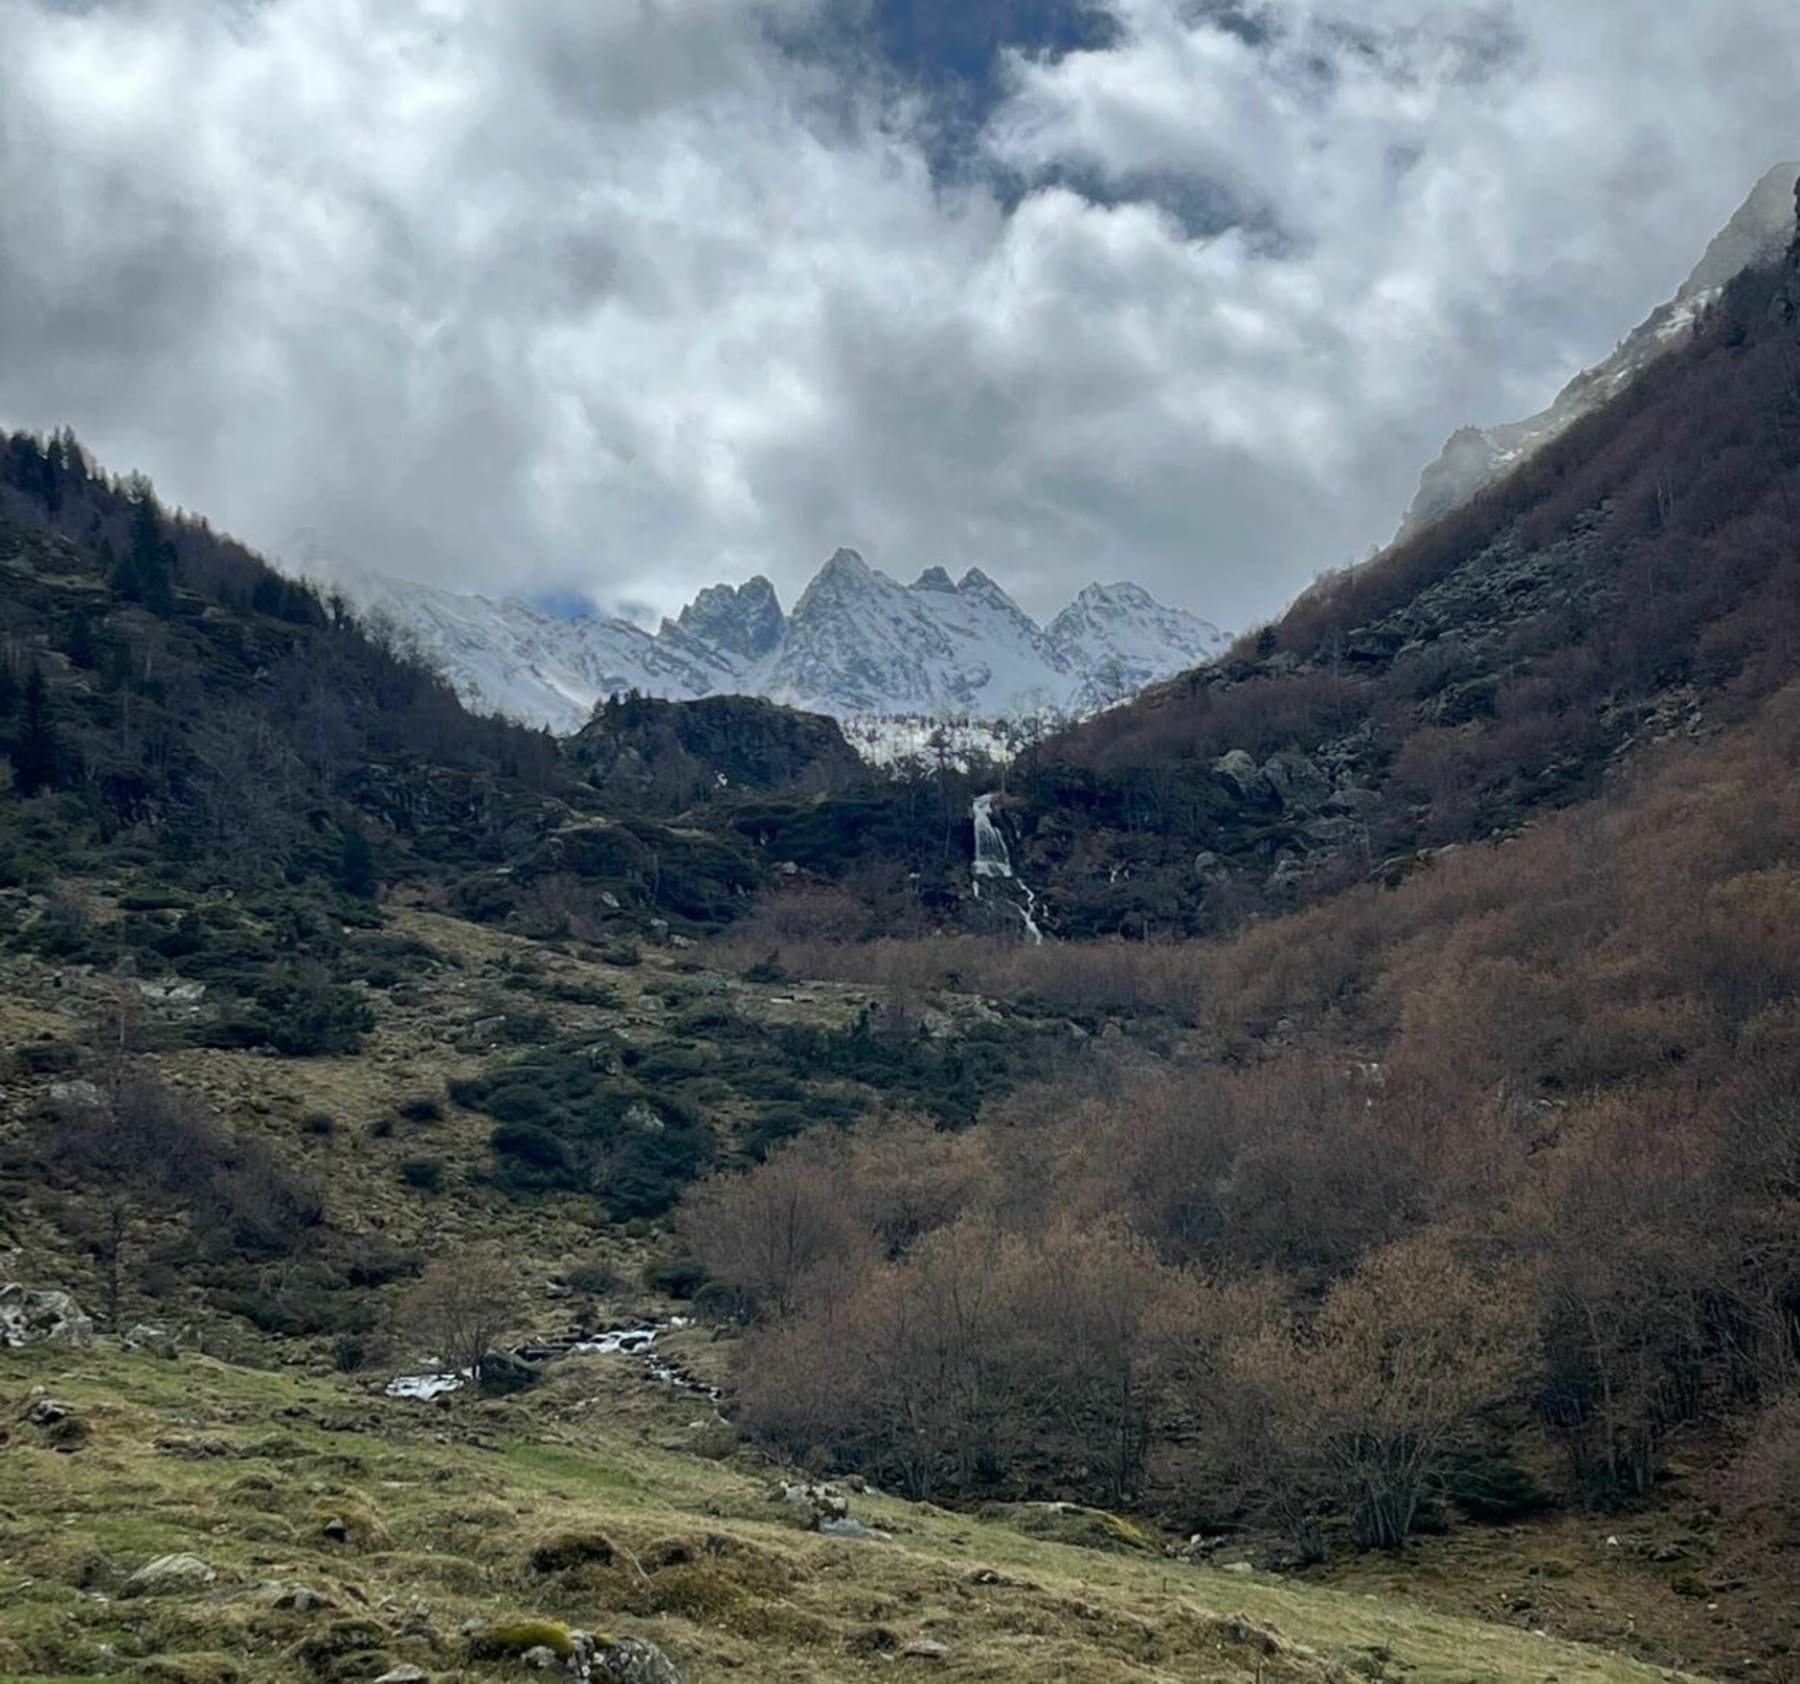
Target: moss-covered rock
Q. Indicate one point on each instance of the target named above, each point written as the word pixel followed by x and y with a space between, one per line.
pixel 508 1639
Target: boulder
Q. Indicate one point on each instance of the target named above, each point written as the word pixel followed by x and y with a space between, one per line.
pixel 845 1528
pixel 172 992
pixel 407 1674
pixel 503 1374
pixel 1290 871
pixel 623 1660
pixel 32 1317
pixel 1296 780
pixel 1211 869
pixel 45 1411
pixel 1247 1633
pixel 170 1575
pixel 63 1429
pixel 813 1504
pixel 1355 800
pixel 1241 773
pixel 146 1336
pixel 292 1598
pixel 925 1649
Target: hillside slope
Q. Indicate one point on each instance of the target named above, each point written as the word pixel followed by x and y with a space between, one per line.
pixel 1475 457
pixel 1632 582
pixel 248 1468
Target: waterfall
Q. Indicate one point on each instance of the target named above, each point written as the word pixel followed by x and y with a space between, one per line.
pixel 992 860
pixel 991 857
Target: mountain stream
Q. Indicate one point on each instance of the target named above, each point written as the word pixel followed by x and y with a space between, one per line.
pixel 637 1343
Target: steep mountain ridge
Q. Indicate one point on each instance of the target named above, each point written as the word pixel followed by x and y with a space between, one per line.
pixel 858 643
pixel 1475 457
pixel 1628 583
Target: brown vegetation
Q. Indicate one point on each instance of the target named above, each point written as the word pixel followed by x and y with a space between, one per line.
pixel 1508 1150
pixel 1631 581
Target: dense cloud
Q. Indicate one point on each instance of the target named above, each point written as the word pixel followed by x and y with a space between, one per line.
pixel 622 299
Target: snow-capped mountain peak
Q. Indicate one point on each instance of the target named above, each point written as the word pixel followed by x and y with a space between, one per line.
pixel 857 643
pixel 1122 639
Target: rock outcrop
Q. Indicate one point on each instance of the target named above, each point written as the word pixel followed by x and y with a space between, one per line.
pixel 35 1317
pixel 170 1575
pixel 1476 457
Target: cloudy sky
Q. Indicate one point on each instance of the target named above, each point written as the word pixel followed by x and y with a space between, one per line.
pixel 621 297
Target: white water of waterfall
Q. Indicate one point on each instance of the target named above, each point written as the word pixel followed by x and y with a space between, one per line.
pixel 992 860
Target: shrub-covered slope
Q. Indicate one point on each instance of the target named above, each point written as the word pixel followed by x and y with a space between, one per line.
pixel 1636 581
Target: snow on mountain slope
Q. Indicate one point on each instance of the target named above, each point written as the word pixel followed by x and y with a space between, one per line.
pixel 1122 639
pixel 1476 457
pixel 503 656
pixel 858 644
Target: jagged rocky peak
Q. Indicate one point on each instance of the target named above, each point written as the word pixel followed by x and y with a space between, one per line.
pixel 741 619
pixel 1475 457
pixel 858 643
pixel 1099 598
pixel 845 575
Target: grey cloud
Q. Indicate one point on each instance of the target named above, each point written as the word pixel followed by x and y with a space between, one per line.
pixel 622 300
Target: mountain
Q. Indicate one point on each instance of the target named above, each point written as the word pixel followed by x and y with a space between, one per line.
pixel 1475 457
pixel 504 656
pixel 1627 583
pixel 857 643
pixel 1123 639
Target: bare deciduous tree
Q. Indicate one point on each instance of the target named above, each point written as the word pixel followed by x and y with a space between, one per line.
pixel 460 1307
pixel 1366 1403
pixel 768 1234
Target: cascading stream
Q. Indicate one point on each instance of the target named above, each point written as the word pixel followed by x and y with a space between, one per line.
pixel 993 861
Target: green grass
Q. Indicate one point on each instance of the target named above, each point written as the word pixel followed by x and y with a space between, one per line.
pixel 707 1567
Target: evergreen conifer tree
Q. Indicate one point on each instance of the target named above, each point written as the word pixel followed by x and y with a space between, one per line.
pixel 35 751
pixel 356 866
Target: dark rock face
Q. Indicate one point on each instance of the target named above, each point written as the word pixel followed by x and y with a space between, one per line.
pixel 1789 301
pixel 668 756
pixel 743 620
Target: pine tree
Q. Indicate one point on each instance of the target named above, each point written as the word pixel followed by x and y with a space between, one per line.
pixel 146 574
pixel 9 687
pixel 78 642
pixel 356 866
pixel 36 752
